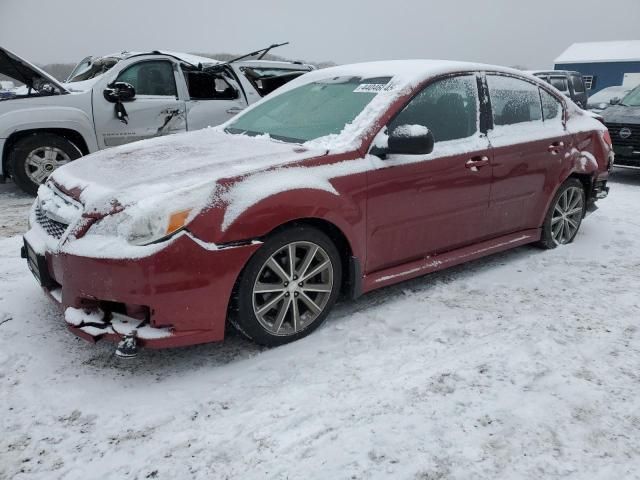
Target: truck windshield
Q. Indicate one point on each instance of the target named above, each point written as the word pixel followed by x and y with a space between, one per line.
pixel 91 67
pixel 632 99
pixel 310 111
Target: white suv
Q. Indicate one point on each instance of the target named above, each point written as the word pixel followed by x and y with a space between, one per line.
pixel 118 99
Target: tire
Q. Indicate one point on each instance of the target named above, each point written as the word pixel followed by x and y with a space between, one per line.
pixel 563 220
pixel 290 307
pixel 35 157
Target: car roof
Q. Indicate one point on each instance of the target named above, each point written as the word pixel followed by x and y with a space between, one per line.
pixel 187 57
pixel 410 72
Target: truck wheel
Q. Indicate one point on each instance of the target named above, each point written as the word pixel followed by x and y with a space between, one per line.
pixel 35 157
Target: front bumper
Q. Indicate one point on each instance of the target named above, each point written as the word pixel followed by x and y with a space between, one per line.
pixel 178 295
pixel 627 157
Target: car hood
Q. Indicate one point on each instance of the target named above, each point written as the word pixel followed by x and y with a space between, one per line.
pixel 190 163
pixel 12 66
pixel 621 114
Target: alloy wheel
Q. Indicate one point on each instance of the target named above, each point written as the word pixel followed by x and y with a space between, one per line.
pixel 567 215
pixel 42 161
pixel 293 288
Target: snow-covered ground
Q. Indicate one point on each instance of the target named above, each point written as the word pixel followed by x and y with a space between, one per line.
pixel 525 364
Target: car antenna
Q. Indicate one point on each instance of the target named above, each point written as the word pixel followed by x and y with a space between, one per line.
pixel 262 52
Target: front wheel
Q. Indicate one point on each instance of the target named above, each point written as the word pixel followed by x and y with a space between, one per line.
pixel 35 157
pixel 288 287
pixel 565 215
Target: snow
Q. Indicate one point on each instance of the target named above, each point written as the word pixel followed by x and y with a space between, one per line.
pixel 607 94
pixel 77 316
pixel 97 325
pixel 164 175
pixel 411 131
pixel 520 365
pixel 598 52
pixel 165 164
pixel 56 207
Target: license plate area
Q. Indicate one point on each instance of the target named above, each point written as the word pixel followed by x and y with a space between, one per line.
pixel 38 266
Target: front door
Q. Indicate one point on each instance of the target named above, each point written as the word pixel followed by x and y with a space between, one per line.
pixel 528 149
pixel 156 109
pixel 424 205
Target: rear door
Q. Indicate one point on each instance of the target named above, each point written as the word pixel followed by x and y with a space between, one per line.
pixel 528 148
pixel 156 109
pixel 213 98
pixel 419 205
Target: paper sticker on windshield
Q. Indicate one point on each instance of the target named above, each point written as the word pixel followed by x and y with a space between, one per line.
pixel 372 87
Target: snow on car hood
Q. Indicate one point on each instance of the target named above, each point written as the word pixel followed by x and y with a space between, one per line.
pixel 189 162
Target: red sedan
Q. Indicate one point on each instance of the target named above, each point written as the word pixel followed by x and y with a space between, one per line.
pixel 345 180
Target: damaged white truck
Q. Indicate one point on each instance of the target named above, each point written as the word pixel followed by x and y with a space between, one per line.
pixel 118 99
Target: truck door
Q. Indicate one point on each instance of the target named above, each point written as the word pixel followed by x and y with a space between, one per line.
pixel 155 110
pixel 213 98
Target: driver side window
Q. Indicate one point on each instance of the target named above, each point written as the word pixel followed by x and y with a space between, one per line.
pixel 153 77
pixel 448 108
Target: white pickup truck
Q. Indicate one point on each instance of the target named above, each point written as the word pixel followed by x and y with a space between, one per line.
pixel 117 99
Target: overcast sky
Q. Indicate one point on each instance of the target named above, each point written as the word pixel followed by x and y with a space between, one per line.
pixel 507 32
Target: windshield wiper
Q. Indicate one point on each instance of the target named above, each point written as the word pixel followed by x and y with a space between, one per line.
pixel 250 133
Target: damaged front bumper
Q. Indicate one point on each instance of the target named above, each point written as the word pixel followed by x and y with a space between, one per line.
pixel 176 296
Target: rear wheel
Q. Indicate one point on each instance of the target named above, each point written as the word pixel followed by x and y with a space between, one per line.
pixel 288 287
pixel 35 157
pixel 565 215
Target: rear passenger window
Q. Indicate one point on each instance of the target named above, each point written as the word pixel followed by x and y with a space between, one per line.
pixel 560 83
pixel 448 108
pixel 577 84
pixel 207 86
pixel 513 101
pixel 551 108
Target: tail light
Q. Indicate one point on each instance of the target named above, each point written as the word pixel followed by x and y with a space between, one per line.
pixel 606 137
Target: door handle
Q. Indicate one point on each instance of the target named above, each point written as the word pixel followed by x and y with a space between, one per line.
pixel 555 147
pixel 235 110
pixel 475 163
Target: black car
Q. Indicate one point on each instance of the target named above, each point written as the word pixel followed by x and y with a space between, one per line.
pixel 623 121
pixel 569 83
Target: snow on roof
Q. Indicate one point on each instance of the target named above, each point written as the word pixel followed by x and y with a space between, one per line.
pixel 187 57
pixel 600 52
pixel 405 73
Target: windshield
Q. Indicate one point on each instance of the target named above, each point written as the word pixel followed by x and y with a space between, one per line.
pixel 310 111
pixel 632 99
pixel 91 67
pixel 603 96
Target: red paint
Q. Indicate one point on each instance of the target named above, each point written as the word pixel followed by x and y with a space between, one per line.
pixel 401 221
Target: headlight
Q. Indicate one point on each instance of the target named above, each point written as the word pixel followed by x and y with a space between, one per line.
pixel 157 226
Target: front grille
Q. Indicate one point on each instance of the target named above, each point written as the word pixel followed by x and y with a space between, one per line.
pixel 52 227
pixel 631 141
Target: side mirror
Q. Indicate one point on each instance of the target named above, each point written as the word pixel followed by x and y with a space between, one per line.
pixel 615 101
pixel 411 140
pixel 119 92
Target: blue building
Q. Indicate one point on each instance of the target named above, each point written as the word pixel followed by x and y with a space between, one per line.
pixel 603 64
